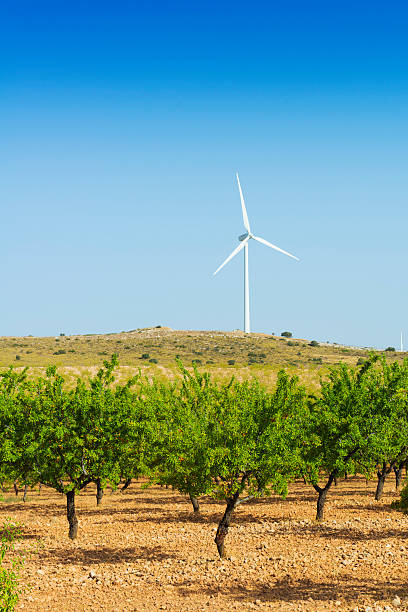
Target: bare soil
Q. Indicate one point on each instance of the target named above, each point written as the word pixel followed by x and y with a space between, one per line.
pixel 145 550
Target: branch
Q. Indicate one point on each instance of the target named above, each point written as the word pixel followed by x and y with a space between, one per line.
pixel 244 499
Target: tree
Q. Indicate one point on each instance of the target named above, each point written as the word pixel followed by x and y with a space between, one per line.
pixel 232 441
pixel 70 438
pixel 286 334
pixel 389 440
pixel 340 427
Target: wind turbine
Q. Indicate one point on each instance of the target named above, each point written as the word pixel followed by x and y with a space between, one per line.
pixel 244 240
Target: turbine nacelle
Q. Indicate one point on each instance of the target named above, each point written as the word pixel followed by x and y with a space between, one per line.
pixel 243 236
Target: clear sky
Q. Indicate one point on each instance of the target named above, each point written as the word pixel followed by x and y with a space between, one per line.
pixel 122 126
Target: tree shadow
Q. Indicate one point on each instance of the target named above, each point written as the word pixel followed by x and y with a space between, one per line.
pixel 51 509
pixel 287 590
pixel 107 555
pixel 324 530
pixel 375 507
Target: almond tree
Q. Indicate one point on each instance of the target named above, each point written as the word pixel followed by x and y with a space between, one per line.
pixel 389 443
pixel 231 441
pixel 358 421
pixel 340 425
pixel 70 438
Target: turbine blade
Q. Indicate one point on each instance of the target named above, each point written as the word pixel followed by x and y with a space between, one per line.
pixel 272 246
pixel 244 212
pixel 234 252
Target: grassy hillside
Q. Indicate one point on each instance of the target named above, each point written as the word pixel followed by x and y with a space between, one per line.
pixel 153 350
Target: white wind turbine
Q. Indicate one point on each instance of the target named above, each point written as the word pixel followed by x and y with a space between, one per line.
pixel 244 239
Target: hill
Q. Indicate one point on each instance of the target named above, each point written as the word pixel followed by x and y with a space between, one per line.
pixel 154 350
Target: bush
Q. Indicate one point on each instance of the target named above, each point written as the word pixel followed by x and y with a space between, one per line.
pixel 361 361
pixel 231 361
pixel 313 343
pixel 9 583
pixel 286 334
pixel 18 357
pixel 145 356
pixel 196 361
pixel 153 360
pixel 60 352
pixel 390 349
pixel 402 503
pixel 62 334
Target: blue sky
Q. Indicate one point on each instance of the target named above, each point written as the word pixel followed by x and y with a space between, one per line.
pixel 122 126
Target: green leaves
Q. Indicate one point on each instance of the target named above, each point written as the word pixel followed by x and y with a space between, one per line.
pixel 223 439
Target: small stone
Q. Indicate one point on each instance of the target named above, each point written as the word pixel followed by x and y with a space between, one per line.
pixel 396 601
pixel 41 572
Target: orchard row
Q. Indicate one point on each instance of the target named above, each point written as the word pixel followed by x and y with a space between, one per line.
pixel 232 441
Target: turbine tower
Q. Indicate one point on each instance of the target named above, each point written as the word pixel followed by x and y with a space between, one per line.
pixel 244 240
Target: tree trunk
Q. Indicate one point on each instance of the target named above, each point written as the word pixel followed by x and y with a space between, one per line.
pixel 345 476
pixel 25 493
pixel 322 494
pixel 398 475
pixel 320 504
pixel 335 481
pixel 126 484
pixel 15 487
pixel 3 488
pixel 71 515
pixel 224 524
pixel 39 489
pixel 195 503
pixel 99 491
pixel 380 485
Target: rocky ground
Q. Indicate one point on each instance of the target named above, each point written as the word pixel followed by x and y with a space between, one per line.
pixel 145 550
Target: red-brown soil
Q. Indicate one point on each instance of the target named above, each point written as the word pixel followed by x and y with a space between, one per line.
pixel 144 550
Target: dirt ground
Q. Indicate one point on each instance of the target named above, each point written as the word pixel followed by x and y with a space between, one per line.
pixel 145 550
